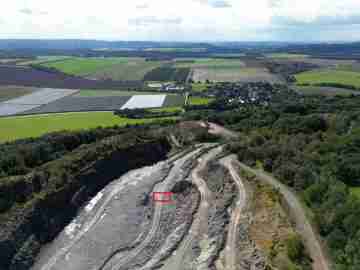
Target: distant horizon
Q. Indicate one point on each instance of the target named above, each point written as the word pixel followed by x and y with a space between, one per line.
pixel 180 41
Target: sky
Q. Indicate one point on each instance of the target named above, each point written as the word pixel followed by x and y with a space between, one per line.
pixel 182 20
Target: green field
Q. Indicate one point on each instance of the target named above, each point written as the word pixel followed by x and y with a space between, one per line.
pixel 199 87
pixel 329 76
pixel 355 191
pixel 199 101
pixel 84 66
pixel 325 91
pixel 119 68
pixel 19 127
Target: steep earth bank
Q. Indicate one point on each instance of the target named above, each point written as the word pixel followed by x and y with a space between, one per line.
pixel 41 203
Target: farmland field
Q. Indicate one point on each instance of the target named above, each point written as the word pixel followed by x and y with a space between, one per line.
pixel 78 103
pixel 121 68
pixel 42 60
pixel 287 55
pixel 144 101
pixel 210 63
pixel 9 92
pixel 329 76
pixel 33 101
pixel 325 91
pixel 233 75
pixel 19 127
pixel 165 74
pixel 174 101
pixel 26 76
pixel 133 70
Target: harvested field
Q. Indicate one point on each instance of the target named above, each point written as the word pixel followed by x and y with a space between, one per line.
pixel 42 60
pixel 233 75
pixel 10 92
pixel 19 127
pixel 209 63
pixel 33 101
pixel 132 70
pixel 37 78
pixel 144 101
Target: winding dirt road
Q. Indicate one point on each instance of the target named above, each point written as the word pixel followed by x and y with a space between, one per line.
pixel 231 247
pixel 303 226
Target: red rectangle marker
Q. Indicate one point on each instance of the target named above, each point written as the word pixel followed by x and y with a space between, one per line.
pixel 163 197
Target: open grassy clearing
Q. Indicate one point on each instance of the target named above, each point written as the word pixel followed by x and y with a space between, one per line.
pixel 199 101
pixel 10 92
pixel 325 91
pixel 355 191
pixel 112 93
pixel 329 76
pixel 209 63
pixel 233 75
pixel 12 128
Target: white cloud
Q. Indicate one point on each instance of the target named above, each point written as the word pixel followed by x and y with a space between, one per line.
pixel 180 20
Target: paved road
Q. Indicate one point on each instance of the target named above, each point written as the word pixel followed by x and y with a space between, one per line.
pixel 231 247
pixel 303 226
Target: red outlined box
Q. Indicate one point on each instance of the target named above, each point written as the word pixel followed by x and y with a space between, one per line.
pixel 162 197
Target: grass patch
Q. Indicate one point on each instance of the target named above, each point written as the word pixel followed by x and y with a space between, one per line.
pixel 167 109
pixel 199 101
pixel 355 191
pixel 13 128
pixel 329 76
pixel 199 87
